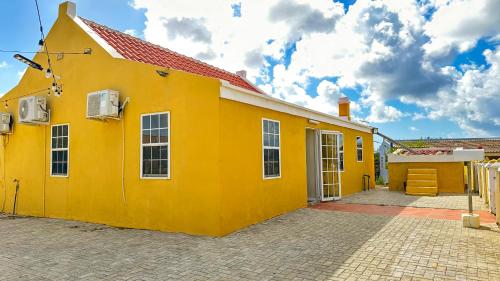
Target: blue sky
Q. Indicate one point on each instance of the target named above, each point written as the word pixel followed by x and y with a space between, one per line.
pixel 406 69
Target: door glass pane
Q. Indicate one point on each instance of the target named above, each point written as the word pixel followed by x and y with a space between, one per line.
pixel 330 165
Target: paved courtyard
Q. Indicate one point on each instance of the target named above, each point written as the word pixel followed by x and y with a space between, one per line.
pixel 381 196
pixel 308 244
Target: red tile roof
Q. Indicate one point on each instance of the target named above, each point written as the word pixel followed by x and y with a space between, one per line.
pixel 490 145
pixel 138 50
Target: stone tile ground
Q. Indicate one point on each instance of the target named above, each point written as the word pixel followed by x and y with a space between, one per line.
pixel 304 245
pixel 381 196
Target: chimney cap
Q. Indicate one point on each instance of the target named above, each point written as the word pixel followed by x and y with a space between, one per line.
pixel 67 8
pixel 242 73
pixel 344 100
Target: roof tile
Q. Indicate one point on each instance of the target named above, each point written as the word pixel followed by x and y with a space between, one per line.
pixel 138 50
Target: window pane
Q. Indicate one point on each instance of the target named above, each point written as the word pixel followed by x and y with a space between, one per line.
pixel 266 140
pixel 65 130
pixel 64 143
pixel 360 155
pixel 164 167
pixel 146 152
pixel 271 127
pixel 276 155
pixel 146 167
pixel 59 131
pixel 276 128
pixel 155 121
pixel 359 142
pixel 163 135
pixel 54 168
pixel 146 136
pixel 54 156
pixel 266 126
pixel 276 168
pixel 146 122
pixel 155 152
pixel 54 131
pixel 64 169
pixel 163 120
pixel 164 152
pixel 271 140
pixel 155 167
pixel 155 135
pixel 277 140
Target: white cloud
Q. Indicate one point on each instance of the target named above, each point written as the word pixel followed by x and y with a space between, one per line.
pixel 131 32
pixel 385 48
pixel 413 129
pixel 3 64
pixel 458 24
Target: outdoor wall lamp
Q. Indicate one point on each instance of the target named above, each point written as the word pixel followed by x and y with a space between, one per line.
pixel 28 62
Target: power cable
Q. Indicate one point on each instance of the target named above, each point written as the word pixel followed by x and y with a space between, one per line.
pixel 43 52
pixel 44 45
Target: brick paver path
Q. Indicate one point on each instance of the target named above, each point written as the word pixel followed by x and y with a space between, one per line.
pixel 307 244
pixel 444 214
pixel 381 196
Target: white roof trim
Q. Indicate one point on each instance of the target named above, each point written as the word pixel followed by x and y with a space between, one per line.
pixel 458 155
pixel 235 93
pixel 97 38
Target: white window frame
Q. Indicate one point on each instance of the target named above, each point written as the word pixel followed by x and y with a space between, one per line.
pixel 270 147
pixel 59 149
pixel 357 148
pixel 156 144
pixel 341 151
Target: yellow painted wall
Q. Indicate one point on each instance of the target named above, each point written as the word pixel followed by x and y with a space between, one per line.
pixel 450 175
pixel 189 202
pixel 248 198
pixel 216 183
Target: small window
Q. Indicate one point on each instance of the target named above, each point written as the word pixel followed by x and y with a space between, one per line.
pixel 155 149
pixel 341 152
pixel 359 148
pixel 59 152
pixel 271 148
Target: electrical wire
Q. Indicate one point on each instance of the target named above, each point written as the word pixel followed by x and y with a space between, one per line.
pixel 25 95
pixel 44 45
pixel 42 52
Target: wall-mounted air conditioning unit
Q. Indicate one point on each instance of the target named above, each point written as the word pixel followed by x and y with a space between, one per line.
pixel 33 110
pixel 103 104
pixel 5 123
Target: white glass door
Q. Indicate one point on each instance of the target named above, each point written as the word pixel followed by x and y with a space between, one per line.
pixel 330 169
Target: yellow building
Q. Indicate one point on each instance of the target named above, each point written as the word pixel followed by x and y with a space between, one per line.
pixel 196 149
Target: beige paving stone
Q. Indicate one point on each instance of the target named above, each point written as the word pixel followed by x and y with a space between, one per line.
pixel 304 245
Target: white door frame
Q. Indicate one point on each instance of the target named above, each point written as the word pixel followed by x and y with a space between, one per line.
pixel 337 166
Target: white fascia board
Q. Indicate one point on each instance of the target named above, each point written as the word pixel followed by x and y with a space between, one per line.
pixel 235 93
pixel 97 38
pixel 464 155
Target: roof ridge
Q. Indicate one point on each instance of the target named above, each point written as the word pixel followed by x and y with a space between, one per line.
pixel 164 48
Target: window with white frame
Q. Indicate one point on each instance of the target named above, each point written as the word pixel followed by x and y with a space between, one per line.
pixel 341 152
pixel 59 156
pixel 359 148
pixel 271 148
pixel 155 149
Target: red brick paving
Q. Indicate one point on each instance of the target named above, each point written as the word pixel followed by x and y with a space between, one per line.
pixel 444 214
